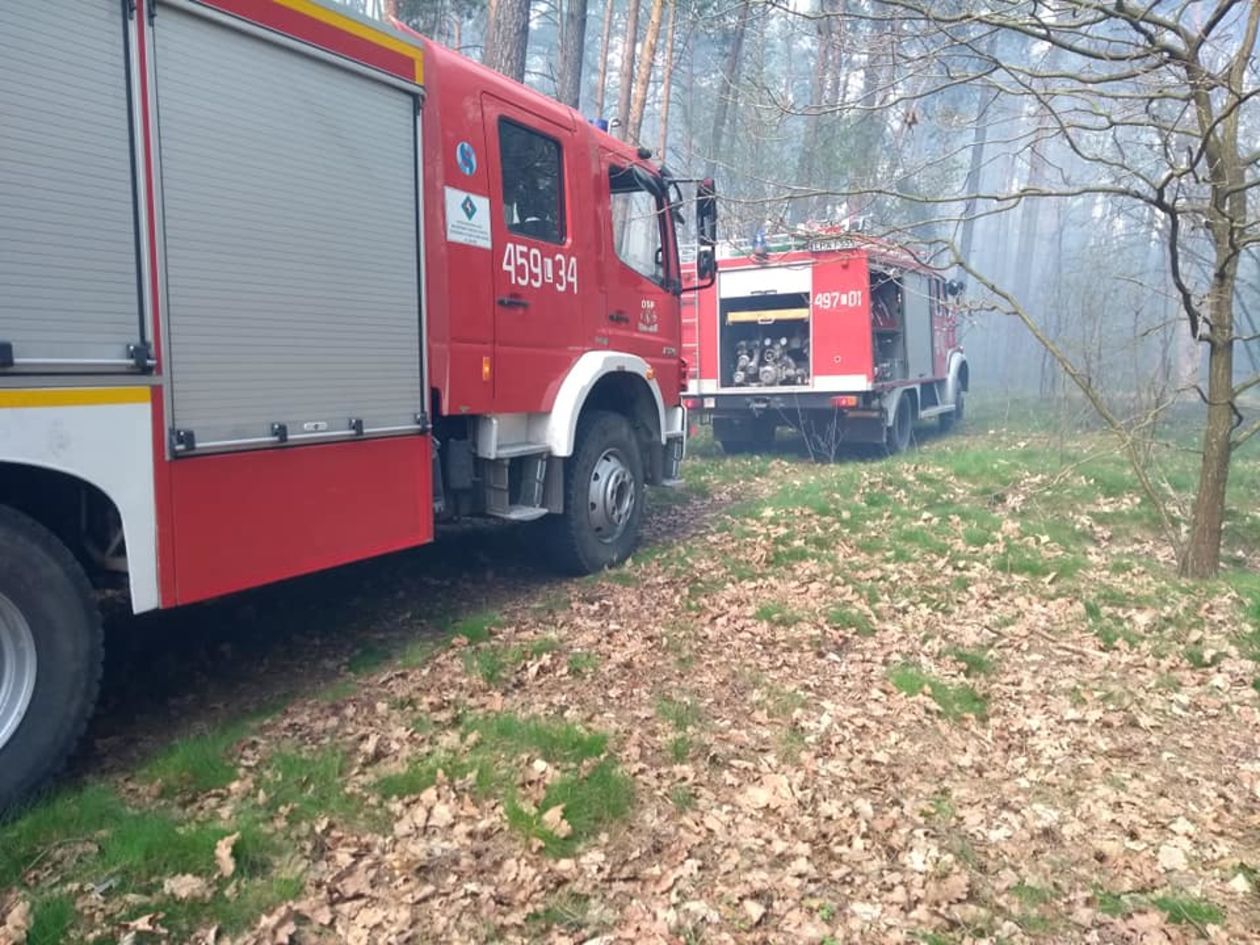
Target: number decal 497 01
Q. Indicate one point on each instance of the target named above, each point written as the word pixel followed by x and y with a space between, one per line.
pixel 530 266
pixel 850 299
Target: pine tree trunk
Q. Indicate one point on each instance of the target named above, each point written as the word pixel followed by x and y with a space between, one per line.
pixel 643 77
pixel 507 38
pixel 667 79
pixel 572 45
pixel 625 79
pixel 730 75
pixel 601 86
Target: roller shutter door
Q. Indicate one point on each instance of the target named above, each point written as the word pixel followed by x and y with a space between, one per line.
pixel 68 276
pixel 289 200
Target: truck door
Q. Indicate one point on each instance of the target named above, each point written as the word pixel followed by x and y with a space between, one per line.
pixel 537 270
pixel 641 312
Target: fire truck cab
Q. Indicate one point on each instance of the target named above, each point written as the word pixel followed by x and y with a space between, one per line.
pixel 280 288
pixel 843 337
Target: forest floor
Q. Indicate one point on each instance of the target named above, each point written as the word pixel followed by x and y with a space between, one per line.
pixel 956 696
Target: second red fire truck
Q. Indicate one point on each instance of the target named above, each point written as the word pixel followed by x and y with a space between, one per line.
pixel 280 288
pixel 844 337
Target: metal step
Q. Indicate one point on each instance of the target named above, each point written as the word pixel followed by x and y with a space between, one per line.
pixel 673 483
pixel 519 513
pixel 512 450
pixel 928 412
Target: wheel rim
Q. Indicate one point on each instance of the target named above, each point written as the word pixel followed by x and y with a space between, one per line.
pixel 611 496
pixel 17 668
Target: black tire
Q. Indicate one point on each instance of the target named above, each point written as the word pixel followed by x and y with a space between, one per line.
pixel 42 583
pixel 897 437
pixel 743 436
pixel 954 417
pixel 581 540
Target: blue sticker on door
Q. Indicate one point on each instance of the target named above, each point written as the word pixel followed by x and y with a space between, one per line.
pixel 466 158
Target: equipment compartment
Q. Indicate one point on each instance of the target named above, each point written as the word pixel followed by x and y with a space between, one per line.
pixel 765 340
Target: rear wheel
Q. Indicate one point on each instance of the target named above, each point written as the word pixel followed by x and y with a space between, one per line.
pixel 897 437
pixel 603 497
pixel 955 416
pixel 51 650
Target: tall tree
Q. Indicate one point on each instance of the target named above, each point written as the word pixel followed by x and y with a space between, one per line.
pixel 507 37
pixel 625 78
pixel 601 84
pixel 572 46
pixel 727 93
pixel 643 76
pixel 667 80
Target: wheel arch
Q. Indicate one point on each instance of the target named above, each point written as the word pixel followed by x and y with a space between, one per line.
pixel 893 398
pixel 58 498
pixel 607 380
pixel 959 376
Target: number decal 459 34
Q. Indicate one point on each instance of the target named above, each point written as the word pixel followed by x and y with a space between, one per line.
pixel 528 266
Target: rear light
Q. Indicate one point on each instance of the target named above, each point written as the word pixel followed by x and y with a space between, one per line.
pixel 691 403
pixel 844 400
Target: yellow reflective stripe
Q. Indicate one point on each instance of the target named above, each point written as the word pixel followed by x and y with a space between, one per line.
pixel 73 396
pixel 319 12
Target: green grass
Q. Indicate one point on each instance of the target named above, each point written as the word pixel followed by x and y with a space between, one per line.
pixel 555 742
pixel 89 835
pixel 422 774
pixel 680 748
pixel 682 797
pixel 844 617
pixel 63 819
pixel 492 662
pixel 475 628
pixel 591 801
pixel 305 786
pixel 1032 896
pixel 975 662
pixel 566 910
pixel 955 702
pixel 1183 909
pixel 778 614
pixel 196 764
pixel 51 920
pixel 583 664
pixel 1199 658
pixel 682 714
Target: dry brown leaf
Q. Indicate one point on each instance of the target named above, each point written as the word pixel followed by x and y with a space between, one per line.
pixel 223 857
pixel 1172 858
pixel 753 910
pixel 17 923
pixel 553 820
pixel 186 886
pixel 952 888
pixel 149 922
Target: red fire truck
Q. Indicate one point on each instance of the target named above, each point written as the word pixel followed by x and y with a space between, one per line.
pixel 844 337
pixel 280 288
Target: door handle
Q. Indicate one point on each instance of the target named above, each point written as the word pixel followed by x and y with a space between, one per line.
pixel 619 317
pixel 513 301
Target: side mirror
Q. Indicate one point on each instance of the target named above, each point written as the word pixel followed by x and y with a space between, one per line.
pixel 954 287
pixel 706 231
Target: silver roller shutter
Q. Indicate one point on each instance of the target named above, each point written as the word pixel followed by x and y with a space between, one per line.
pixel 288 187
pixel 68 283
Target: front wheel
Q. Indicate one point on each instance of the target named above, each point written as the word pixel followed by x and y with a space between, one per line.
pixel 603 497
pixel 51 651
